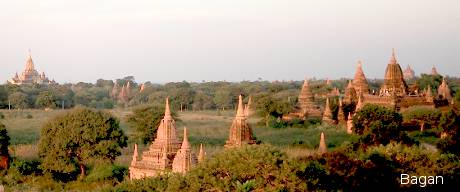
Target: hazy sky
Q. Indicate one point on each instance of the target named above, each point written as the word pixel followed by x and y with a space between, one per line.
pixel 233 40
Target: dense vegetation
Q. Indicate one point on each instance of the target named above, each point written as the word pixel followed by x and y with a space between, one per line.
pixel 51 152
pixel 78 139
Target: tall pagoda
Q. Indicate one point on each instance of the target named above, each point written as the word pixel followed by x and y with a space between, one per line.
pixel 30 75
pixel 444 91
pixel 394 83
pixel 360 82
pixel 185 158
pixel 240 131
pixel 160 155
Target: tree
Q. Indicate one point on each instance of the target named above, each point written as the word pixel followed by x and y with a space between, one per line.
pixel 4 142
pixel 378 125
pixel 223 97
pixel 74 140
pixel 267 107
pixel 423 116
pixel 450 124
pixel 145 120
pixel 429 80
pixel 46 99
pixel 18 100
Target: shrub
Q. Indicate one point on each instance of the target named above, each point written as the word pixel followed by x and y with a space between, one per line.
pixel 107 172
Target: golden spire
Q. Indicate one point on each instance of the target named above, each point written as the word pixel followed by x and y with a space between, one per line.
pixel 393 57
pixel 185 143
pixel 327 115
pixel 240 110
pixel 202 154
pixel 167 110
pixel 350 124
pixel 322 144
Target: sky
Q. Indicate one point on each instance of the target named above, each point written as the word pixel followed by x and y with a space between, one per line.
pixel 234 40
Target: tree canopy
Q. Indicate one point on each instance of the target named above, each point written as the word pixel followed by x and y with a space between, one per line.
pixel 378 125
pixel 74 140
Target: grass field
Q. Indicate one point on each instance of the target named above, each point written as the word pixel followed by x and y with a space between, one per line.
pixel 208 127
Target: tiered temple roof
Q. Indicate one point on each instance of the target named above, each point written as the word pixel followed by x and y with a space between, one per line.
pixel 30 75
pixel 158 158
pixel 360 82
pixel 394 80
pixel 240 131
pixel 409 73
pixel 444 90
pixel 306 103
pixel 350 94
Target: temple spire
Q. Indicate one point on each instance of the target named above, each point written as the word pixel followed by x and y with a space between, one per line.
pixel 350 124
pixel 240 111
pixel 322 144
pixel 327 115
pixel 185 143
pixel 167 110
pixel 393 57
pixel 201 154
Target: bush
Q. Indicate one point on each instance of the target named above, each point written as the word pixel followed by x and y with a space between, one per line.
pixel 107 172
pixel 27 167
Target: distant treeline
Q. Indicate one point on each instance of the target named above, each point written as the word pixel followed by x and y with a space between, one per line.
pixel 183 95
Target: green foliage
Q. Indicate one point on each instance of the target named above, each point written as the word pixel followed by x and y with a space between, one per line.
pixel 423 115
pixel 145 120
pixel 18 100
pixel 426 80
pixel 4 140
pixel 26 167
pixel 46 99
pixel 79 138
pixel 103 172
pixel 450 124
pixel 268 106
pixel 378 125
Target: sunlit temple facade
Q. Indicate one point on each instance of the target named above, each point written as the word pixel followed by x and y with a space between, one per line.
pixel 30 75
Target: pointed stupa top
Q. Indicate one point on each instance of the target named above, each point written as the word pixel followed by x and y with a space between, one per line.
pixel 434 71
pixel 184 159
pixel 350 93
pixel 341 113
pixel 240 131
pixel 350 123
pixel 167 110
pixel 360 81
pixel 409 73
pixel 393 57
pixel 240 111
pixel 444 90
pixel 201 154
pixel 142 87
pixel 185 144
pixel 322 144
pixel 394 78
pixel 29 63
pixel 327 115
pixel 360 103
